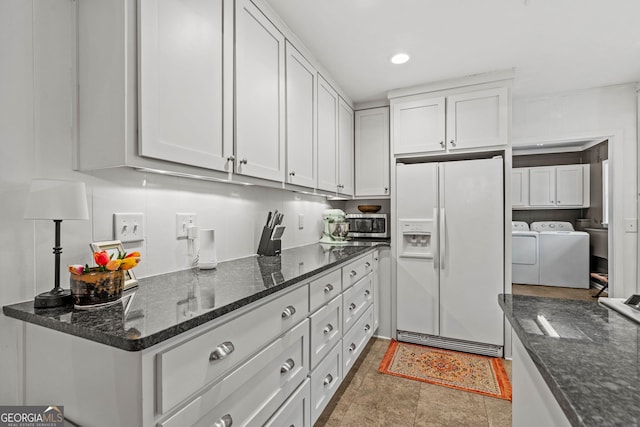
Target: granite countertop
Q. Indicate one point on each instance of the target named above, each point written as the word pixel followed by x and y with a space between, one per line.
pixel 161 307
pixel 592 368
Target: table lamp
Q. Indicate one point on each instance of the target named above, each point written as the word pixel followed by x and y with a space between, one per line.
pixel 56 200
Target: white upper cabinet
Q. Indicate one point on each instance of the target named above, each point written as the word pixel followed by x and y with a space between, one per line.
pixel 301 119
pixel 260 95
pixel 520 187
pixel 477 119
pixel 372 152
pixel 345 148
pixel 461 121
pixel 327 136
pixel 550 187
pixel 419 126
pixel 180 81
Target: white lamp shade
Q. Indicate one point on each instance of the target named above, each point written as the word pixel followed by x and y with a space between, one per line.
pixel 57 199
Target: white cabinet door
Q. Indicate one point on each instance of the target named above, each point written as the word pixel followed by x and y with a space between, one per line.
pixel 345 148
pixel 180 82
pixel 477 119
pixel 519 187
pixel 327 136
pixel 259 127
pixel 419 126
pixel 569 185
pixel 301 119
pixel 542 186
pixel 372 152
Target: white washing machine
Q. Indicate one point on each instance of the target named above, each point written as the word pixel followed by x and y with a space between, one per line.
pixel 564 254
pixel 525 267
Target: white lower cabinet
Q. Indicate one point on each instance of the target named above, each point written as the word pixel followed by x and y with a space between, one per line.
pixel 326 330
pixel 355 340
pixel 254 391
pixel 356 300
pixel 325 380
pixel 296 412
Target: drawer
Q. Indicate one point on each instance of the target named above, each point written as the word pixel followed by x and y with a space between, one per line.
pixel 324 289
pixel 326 330
pixel 296 410
pixel 251 394
pixel 356 339
pixel 355 301
pixel 187 367
pixel 325 380
pixel 356 270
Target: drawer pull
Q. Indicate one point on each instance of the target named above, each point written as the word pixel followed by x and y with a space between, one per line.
pixel 367 264
pixel 328 379
pixel 353 273
pixel 367 293
pixel 327 328
pixel 367 327
pixel 352 307
pixel 287 366
pixel 225 421
pixel 352 347
pixel 222 351
pixel 328 288
pixel 288 312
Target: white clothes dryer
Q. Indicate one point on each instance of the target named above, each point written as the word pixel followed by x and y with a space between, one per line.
pixel 564 254
pixel 525 267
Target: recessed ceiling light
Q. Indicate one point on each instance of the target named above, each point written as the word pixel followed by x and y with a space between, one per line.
pixel 399 58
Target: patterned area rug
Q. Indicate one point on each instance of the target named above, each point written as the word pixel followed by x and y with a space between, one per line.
pixel 463 371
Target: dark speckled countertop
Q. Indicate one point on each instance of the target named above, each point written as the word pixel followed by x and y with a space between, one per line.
pixel 592 369
pixel 164 306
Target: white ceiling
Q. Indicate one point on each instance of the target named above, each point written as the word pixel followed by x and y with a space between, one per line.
pixel 553 45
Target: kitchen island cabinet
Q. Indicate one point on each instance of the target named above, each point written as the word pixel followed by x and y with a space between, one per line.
pixel 233 344
pixel 574 363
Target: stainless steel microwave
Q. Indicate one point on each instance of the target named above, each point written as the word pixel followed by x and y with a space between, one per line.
pixel 368 225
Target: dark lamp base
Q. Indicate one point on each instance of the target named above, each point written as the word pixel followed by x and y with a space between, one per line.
pixel 56 297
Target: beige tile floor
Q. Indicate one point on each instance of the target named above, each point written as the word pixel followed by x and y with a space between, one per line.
pixel 369 398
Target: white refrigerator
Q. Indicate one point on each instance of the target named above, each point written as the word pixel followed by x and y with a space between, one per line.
pixel 450 254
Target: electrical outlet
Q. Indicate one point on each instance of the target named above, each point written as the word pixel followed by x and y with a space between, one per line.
pixel 183 222
pixel 128 227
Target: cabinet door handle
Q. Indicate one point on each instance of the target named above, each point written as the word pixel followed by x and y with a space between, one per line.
pixel 225 421
pixel 328 288
pixel 231 158
pixel 287 366
pixel 328 379
pixel 327 328
pixel 352 347
pixel 288 312
pixel 353 273
pixel 367 293
pixel 453 143
pixel 244 161
pixel 352 306
pixel 367 264
pixel 386 189
pixel 222 351
pixel 292 173
pixel 367 327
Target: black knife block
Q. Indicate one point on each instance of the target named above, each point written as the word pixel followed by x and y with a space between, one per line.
pixel 268 247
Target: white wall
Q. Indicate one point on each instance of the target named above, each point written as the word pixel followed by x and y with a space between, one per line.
pixel 601 112
pixel 36 133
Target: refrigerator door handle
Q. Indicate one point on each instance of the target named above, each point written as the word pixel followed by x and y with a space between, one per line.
pixel 442 237
pixel 434 241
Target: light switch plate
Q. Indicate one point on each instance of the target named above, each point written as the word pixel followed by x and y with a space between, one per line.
pixel 183 222
pixel 128 227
